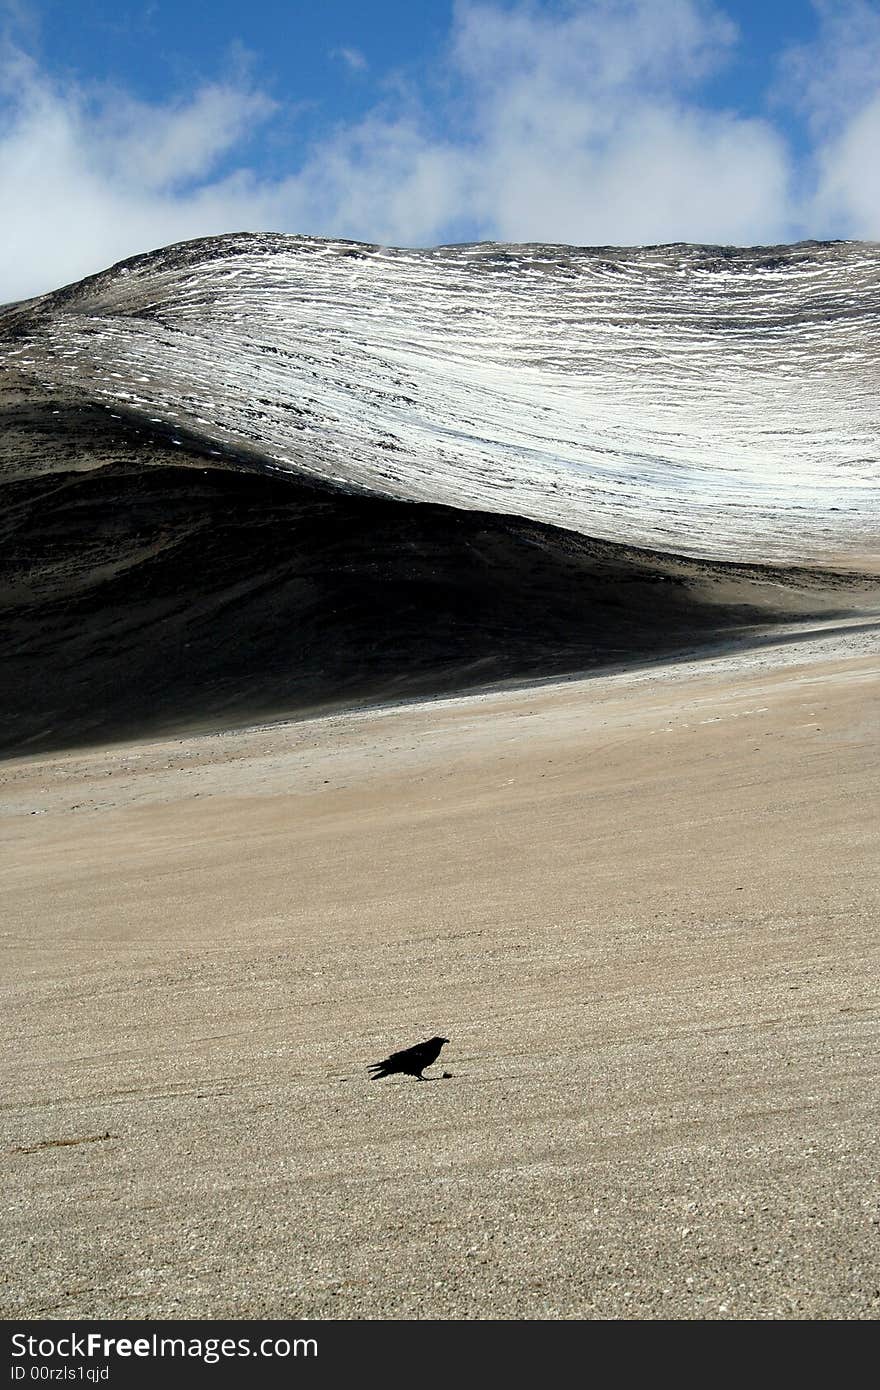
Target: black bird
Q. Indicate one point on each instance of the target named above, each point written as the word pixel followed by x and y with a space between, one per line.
pixel 410 1062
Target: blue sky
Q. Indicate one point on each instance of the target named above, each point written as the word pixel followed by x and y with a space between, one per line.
pixel 297 50
pixel 129 125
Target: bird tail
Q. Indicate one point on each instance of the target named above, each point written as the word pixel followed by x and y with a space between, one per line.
pixel 379 1070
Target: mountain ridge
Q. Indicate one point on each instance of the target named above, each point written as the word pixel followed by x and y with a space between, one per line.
pixel 711 402
pixel 214 516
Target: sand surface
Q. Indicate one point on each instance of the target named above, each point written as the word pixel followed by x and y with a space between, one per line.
pixel 642 907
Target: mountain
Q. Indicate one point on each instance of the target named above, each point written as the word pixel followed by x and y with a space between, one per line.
pixel 259 475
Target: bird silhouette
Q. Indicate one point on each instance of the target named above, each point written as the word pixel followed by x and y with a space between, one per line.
pixel 410 1062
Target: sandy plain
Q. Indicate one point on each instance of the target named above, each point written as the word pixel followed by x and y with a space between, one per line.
pixel 643 907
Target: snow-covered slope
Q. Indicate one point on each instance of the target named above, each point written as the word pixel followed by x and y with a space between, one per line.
pixel 259 476
pixel 717 403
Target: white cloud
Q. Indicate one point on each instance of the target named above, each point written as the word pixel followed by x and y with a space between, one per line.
pixel 839 72
pixel 602 46
pixel 86 181
pixel 848 184
pixel 586 131
pixel 384 180
pixel 571 124
pixel 835 81
pixel 352 57
pixel 560 122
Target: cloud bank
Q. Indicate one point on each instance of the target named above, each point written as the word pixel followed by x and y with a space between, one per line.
pixel 586 123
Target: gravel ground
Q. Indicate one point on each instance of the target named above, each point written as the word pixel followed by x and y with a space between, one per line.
pixel 644 911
